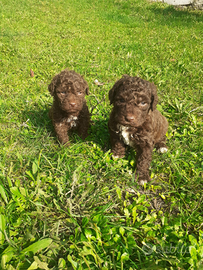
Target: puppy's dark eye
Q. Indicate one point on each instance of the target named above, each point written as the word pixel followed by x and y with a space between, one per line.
pixel 121 100
pixel 61 93
pixel 79 93
pixel 143 103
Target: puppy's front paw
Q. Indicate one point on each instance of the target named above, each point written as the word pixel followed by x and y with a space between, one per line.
pixel 142 179
pixel 162 150
pixel 67 144
pixel 142 182
pixel 115 157
pixel 64 143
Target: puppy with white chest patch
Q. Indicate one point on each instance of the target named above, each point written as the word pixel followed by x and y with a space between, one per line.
pixel 69 110
pixel 135 121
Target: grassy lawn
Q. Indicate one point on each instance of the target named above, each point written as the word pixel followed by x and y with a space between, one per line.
pixel 76 208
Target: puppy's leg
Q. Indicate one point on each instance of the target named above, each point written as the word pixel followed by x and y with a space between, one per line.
pixel 161 145
pixel 84 122
pixel 83 127
pixel 61 130
pixel 118 147
pixel 162 128
pixel 144 157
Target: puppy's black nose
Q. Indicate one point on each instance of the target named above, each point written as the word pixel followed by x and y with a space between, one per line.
pixel 130 118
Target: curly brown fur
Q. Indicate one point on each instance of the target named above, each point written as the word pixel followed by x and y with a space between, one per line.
pixel 136 122
pixel 69 110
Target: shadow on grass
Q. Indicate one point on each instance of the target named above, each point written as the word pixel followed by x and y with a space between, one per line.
pixel 171 14
pixel 98 132
pixel 164 15
pixel 39 118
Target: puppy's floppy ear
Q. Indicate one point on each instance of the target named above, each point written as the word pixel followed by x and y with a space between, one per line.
pixel 86 88
pixel 83 84
pixel 87 91
pixel 154 97
pixel 116 86
pixel 52 85
pixel 111 94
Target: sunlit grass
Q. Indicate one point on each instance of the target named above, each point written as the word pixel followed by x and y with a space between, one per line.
pixel 76 208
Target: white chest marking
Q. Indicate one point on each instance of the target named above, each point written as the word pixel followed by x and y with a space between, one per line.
pixel 72 120
pixel 125 135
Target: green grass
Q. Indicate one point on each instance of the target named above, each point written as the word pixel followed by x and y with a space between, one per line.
pixel 76 208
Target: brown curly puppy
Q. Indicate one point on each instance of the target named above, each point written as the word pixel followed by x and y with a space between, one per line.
pixel 69 110
pixel 136 122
